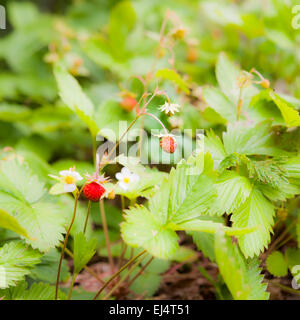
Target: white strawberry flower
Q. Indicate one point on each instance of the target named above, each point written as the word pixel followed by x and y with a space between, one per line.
pixel 169 108
pixel 126 178
pixel 69 179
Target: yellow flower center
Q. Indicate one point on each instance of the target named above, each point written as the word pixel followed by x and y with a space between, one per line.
pixel 126 180
pixel 69 179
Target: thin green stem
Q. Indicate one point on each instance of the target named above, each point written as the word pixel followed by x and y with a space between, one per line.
pixel 71 286
pixel 140 272
pixel 207 276
pixel 117 273
pixel 66 241
pixel 106 234
pixel 239 104
pixel 94 143
pixel 87 216
pixel 148 102
pixel 155 117
pixel 283 242
pixel 141 137
pixel 280 237
pixel 124 278
pixel 124 246
pixel 285 288
pixel 132 203
pixel 161 39
pixel 123 135
pixel 131 255
pixel 122 203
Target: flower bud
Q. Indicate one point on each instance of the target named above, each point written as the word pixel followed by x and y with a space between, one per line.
pixel 265 83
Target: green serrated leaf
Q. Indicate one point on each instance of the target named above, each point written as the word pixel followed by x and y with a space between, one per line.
pixel 192 189
pixel 18 180
pixel 84 250
pixel 205 243
pixel 210 227
pixel 244 138
pixel 269 172
pixel 220 103
pixel 42 220
pixel 46 270
pixel 9 222
pixel 242 279
pixel 214 145
pixel 292 168
pixel 257 212
pixel 141 229
pixel 233 190
pixel 16 261
pixel 38 291
pixel 227 74
pixel 289 114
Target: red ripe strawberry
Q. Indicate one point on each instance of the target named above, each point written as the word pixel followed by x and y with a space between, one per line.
pixel 168 144
pixel 93 191
pixel 128 103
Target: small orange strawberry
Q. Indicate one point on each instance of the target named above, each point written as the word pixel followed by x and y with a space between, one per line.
pixel 168 143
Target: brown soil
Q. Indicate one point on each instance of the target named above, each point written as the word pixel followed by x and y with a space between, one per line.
pixel 181 282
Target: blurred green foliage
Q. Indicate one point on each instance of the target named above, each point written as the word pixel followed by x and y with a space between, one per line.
pixel 106 46
pixel 113 40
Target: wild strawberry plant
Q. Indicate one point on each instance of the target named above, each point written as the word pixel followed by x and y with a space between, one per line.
pixel 132 142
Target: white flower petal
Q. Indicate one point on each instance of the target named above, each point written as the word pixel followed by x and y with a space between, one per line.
pixel 123 185
pixel 54 177
pixel 76 175
pixel 65 173
pixel 169 108
pixel 119 176
pixel 134 177
pixel 125 171
pixel 69 187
